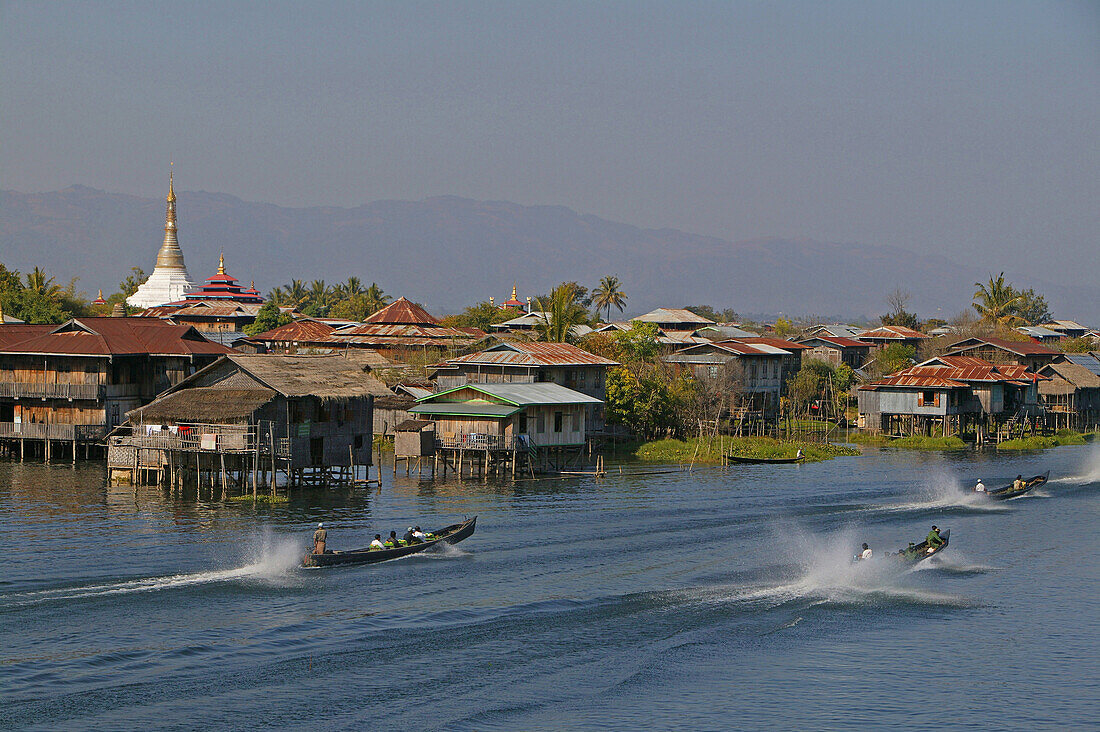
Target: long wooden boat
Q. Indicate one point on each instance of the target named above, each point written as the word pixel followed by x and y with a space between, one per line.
pixel 920 552
pixel 1004 494
pixel 765 461
pixel 449 535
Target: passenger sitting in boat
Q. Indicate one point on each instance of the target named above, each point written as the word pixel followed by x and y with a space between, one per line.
pixel 419 535
pixel 319 538
pixel 866 553
pixel 799 454
pixel 934 540
pixel 910 552
pixel 377 543
pixel 1018 483
pixel 980 488
pixel 392 540
pixel 409 537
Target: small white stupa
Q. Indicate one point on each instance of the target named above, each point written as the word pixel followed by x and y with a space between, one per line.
pixel 170 280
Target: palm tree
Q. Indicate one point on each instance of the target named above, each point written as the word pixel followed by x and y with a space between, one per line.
pixel 562 312
pixel 296 292
pixel 40 283
pixel 376 298
pixel 609 293
pixel 278 296
pixel 998 302
pixel 319 293
pixel 351 288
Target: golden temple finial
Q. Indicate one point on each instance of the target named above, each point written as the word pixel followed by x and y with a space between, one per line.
pixel 171 187
pixel 170 254
pixel 221 264
pixel 513 292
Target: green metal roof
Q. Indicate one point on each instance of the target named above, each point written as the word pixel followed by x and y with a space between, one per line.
pixel 466 409
pixel 522 394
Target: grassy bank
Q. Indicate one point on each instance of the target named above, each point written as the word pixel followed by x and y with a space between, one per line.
pixel 1037 442
pixel 259 498
pixel 710 450
pixel 913 442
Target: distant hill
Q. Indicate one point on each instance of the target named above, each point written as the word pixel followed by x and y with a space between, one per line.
pixel 448 252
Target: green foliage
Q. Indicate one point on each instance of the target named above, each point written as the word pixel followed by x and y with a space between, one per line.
pixel 1078 345
pixel 38 300
pixel 609 294
pixel 268 318
pixel 1033 308
pixel 1039 442
pixel 898 300
pixel 637 345
pixel 997 302
pixel 783 327
pixel 709 450
pixel 644 404
pixel 894 357
pixel 564 309
pixel 481 315
pixel 729 315
pixel 133 281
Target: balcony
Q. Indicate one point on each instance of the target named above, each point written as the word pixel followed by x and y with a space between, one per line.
pixel 32 390
pixel 43 431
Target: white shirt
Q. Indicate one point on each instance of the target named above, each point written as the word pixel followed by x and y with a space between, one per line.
pixel 866 554
pixel 980 488
pixel 376 544
pixel 420 535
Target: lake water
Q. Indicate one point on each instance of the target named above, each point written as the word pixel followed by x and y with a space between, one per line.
pixel 716 599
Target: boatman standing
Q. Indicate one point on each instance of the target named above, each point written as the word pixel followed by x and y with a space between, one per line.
pixel 934 540
pixel 319 538
pixel 980 488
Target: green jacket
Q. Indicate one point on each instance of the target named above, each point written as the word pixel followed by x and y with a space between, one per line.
pixel 934 538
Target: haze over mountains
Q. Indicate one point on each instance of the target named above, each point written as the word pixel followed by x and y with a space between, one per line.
pixel 449 252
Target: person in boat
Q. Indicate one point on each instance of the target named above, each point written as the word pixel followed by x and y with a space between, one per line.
pixel 980 488
pixel 799 455
pixel 865 554
pixel 392 540
pixel 934 540
pixel 320 536
pixel 419 535
pixel 1018 483
pixel 909 552
pixel 410 537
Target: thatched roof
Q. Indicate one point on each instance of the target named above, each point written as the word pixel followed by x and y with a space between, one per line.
pixel 332 376
pixel 203 404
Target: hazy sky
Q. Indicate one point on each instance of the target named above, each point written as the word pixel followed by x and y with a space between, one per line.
pixel 965 128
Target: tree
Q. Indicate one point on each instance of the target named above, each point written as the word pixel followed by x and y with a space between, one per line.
pixel 783 327
pixel 1033 308
pixel 376 298
pixel 268 318
pixel 296 293
pixel 561 312
pixel 1084 344
pixel 609 293
pixel 898 300
pixel 893 358
pixel 133 281
pixel 644 403
pixel 728 315
pixel 482 315
pixel 637 345
pixel 997 302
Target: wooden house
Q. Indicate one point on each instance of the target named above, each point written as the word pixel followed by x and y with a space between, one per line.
pixel 72 382
pixel 1071 395
pixel 309 416
pixel 764 365
pixel 674 320
pixel 952 394
pixel 836 350
pixel 887 335
pixel 999 351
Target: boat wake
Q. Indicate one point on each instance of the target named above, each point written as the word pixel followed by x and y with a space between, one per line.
pixel 272 563
pixel 945 491
pixel 1091 473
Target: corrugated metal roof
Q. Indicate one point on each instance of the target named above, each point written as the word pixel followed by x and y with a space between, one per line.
pixel 1021 348
pixel 466 409
pixel 17 332
pixel 1085 360
pixel 780 343
pixel 892 332
pixel 534 354
pixel 117 337
pixel 838 341
pixel 673 315
pixel 298 331
pixel 524 394
pixel 403 311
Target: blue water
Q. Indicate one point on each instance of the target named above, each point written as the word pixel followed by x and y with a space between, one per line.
pixel 716 599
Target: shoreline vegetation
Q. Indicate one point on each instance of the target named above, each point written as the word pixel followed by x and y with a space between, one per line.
pixel 935 442
pixel 709 451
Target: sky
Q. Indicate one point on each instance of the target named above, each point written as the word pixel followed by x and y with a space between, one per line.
pixel 968 129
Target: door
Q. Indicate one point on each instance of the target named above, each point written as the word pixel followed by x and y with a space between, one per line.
pixel 317 451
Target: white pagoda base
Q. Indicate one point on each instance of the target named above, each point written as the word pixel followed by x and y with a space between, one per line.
pixel 163 286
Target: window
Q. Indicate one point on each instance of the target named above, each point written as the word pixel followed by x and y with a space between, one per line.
pixel 713 372
pixel 541 423
pixel 558 421
pixel 523 423
pixel 752 371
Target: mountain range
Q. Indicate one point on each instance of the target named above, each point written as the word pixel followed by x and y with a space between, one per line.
pixel 448 252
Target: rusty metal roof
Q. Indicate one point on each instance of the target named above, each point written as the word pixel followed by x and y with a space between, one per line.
pixel 117 337
pixel 533 354
pixel 838 341
pixel 16 332
pixel 403 311
pixel 892 332
pixel 775 342
pixel 1020 348
pixel 954 372
pixel 298 331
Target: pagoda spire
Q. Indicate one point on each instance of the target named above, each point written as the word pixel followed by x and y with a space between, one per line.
pixel 170 255
pixel 221 264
